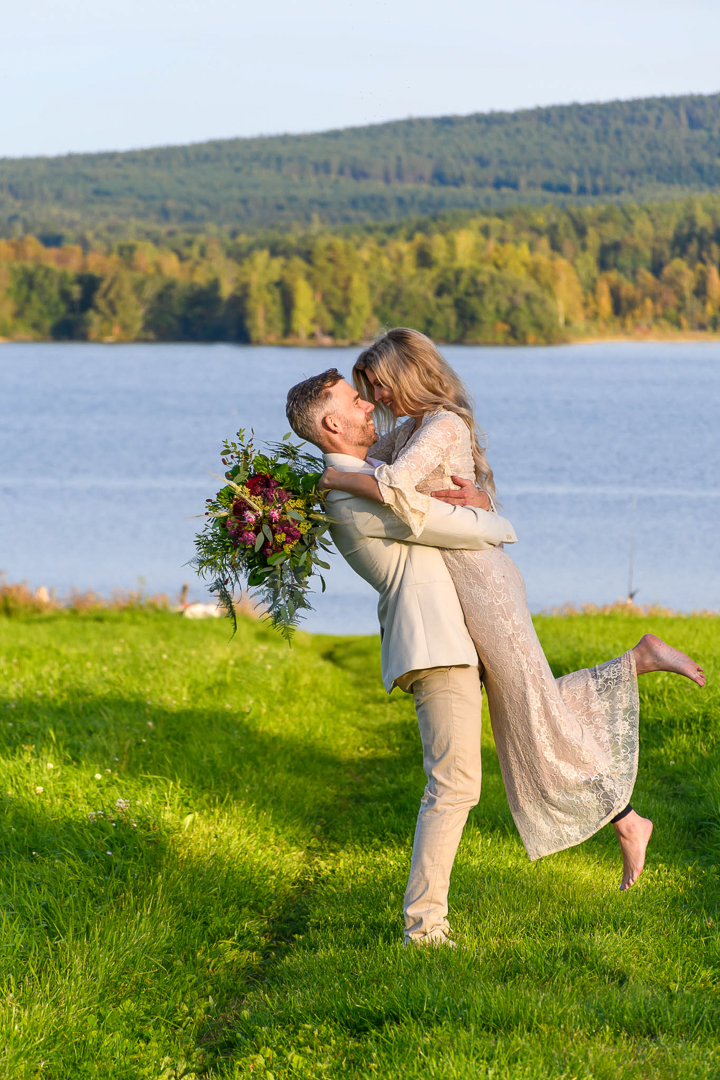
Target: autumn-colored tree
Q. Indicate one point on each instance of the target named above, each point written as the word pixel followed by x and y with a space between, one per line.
pixel 117 314
pixel 298 300
pixel 7 304
pixel 603 299
pixel 260 291
pixel 526 275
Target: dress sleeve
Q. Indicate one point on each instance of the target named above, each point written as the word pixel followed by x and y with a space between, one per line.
pixel 435 444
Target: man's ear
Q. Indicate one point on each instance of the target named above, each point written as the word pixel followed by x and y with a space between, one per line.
pixel 331 424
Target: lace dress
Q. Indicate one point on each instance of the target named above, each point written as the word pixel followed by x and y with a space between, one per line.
pixel 567 747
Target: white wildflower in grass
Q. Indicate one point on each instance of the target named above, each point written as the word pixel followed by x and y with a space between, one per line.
pixel 122 805
pixel 39 790
pixel 108 770
pixel 149 723
pixel 49 765
pixel 98 776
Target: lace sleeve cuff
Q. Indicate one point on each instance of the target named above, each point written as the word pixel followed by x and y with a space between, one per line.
pixel 399 493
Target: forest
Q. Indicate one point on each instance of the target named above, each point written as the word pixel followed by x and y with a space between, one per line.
pixel 529 275
pixel 642 151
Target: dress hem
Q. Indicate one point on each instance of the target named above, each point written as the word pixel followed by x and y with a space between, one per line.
pixel 620 803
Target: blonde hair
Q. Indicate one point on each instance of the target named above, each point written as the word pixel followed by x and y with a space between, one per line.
pixel 420 380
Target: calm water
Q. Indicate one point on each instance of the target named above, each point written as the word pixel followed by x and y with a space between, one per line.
pixel 105 452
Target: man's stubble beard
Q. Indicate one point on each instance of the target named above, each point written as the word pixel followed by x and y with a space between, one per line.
pixel 361 434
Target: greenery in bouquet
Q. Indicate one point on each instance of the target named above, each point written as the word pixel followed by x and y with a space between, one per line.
pixel 266 529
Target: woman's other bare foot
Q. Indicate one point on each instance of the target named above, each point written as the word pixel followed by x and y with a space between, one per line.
pixel 634 834
pixel 652 654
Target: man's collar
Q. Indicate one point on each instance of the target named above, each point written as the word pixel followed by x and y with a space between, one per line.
pixel 348 463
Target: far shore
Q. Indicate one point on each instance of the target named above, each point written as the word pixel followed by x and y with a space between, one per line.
pixel 678 337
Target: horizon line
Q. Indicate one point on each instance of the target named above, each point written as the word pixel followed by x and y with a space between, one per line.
pixel 352 127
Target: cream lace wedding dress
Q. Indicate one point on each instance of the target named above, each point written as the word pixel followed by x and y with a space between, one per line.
pixel 568 747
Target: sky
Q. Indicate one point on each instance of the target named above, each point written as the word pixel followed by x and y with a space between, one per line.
pixel 82 75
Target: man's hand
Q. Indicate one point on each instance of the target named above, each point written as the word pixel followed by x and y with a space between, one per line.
pixel 328 479
pixel 466 494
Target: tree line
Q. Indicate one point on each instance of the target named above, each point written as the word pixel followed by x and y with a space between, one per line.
pixel 627 150
pixel 528 276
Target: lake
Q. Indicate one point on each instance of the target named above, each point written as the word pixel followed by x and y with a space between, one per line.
pixel 105 452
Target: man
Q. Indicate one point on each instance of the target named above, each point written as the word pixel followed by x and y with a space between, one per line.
pixel 426 648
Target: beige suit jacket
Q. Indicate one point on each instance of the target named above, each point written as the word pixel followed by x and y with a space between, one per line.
pixel 421 621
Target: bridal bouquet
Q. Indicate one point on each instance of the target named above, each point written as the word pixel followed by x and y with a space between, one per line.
pixel 265 527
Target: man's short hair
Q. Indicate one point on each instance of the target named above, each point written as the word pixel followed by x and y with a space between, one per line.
pixel 305 402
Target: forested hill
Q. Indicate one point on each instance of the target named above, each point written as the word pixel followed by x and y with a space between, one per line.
pixel 634 150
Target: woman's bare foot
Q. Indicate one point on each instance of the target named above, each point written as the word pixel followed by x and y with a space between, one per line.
pixel 634 834
pixel 652 654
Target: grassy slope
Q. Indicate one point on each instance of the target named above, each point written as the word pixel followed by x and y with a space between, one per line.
pixel 248 922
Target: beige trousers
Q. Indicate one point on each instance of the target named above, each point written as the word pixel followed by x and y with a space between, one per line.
pixel 448 702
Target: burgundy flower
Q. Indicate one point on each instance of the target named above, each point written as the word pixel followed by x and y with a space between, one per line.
pixel 261 484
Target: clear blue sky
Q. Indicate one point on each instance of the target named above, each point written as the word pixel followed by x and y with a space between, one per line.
pixel 86 75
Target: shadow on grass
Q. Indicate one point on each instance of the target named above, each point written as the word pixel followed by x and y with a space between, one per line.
pixel 536 954
pixel 308 791
pixel 315 797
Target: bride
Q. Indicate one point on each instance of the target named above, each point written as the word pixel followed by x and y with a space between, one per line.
pixel 568 747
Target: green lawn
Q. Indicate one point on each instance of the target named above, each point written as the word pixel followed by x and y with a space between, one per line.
pixel 238 912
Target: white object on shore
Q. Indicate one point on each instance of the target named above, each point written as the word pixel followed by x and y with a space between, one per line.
pixel 202 611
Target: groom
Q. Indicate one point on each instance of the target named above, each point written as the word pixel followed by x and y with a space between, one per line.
pixel 426 649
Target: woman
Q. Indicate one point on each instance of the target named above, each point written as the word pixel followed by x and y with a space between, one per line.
pixel 568 747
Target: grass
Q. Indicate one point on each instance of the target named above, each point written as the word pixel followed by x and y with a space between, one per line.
pixel 237 913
